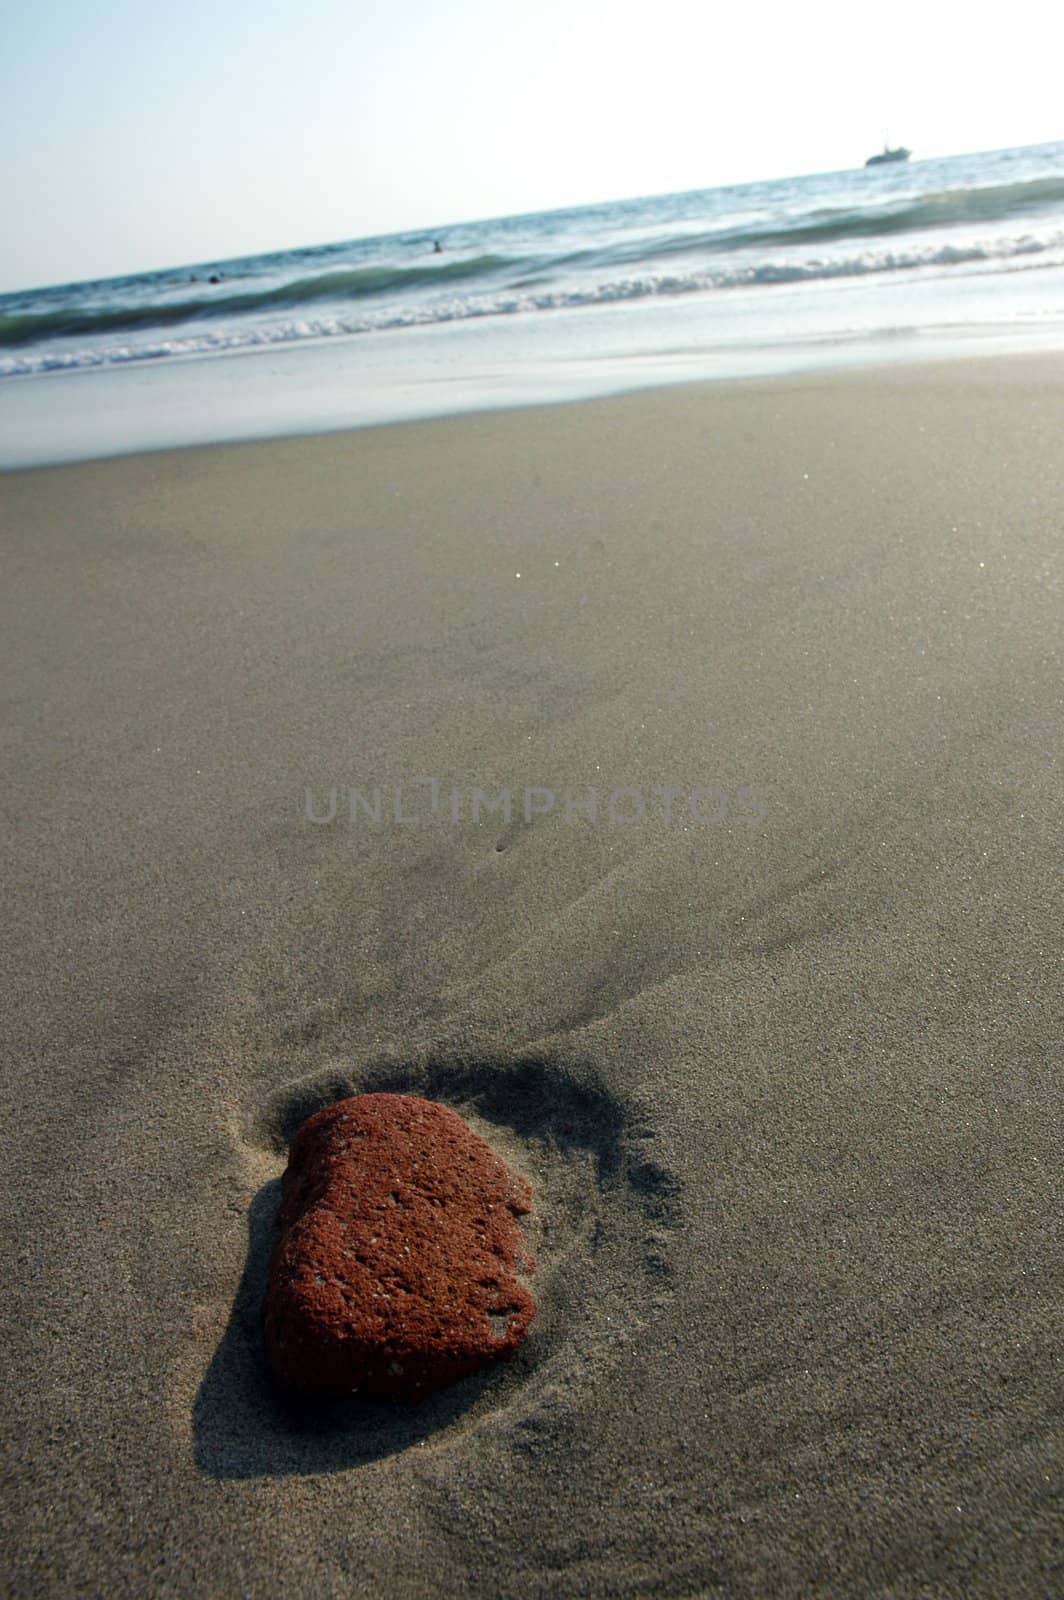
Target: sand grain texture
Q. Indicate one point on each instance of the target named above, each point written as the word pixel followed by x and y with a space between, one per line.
pixel 788 1091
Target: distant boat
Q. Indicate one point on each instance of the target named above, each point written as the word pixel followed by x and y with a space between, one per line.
pixel 899 153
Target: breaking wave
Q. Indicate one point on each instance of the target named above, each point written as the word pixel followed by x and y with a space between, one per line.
pixel 931 217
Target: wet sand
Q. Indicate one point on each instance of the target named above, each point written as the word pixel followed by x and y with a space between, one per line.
pixel 773 1025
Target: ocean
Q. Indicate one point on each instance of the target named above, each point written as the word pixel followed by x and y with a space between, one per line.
pixel 898 262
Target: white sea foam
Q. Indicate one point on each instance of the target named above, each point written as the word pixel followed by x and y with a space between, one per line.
pixel 995 215
pixel 1000 254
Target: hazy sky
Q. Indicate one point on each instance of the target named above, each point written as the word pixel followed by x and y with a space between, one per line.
pixel 135 134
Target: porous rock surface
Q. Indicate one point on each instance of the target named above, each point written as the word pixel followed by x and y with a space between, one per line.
pixel 398 1246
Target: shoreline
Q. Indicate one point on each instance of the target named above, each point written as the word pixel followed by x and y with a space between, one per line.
pixel 371 380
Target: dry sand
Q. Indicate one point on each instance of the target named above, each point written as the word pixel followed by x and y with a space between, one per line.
pixel 788 1090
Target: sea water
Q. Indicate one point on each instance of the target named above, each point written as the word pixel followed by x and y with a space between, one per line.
pixel 916 259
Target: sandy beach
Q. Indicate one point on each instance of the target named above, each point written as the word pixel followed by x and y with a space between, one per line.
pixel 748 957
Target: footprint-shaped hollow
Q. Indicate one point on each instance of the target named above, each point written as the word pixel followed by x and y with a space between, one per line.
pixel 399 1252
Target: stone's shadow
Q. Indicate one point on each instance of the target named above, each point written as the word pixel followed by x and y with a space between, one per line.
pixel 607 1208
pixel 540 1099
pixel 245 1426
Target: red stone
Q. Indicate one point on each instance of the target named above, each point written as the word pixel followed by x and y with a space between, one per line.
pixel 398 1244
